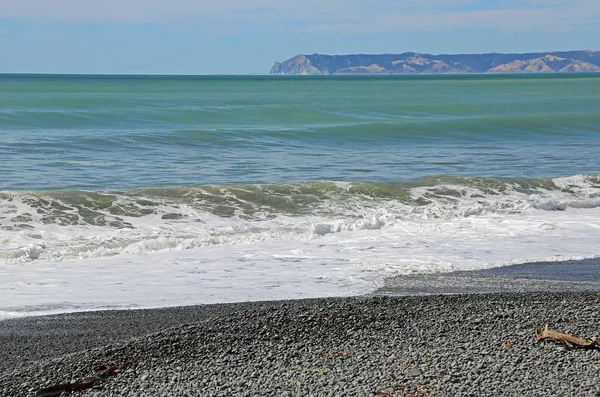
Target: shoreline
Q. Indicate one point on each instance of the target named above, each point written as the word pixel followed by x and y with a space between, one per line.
pixel 541 276
pixel 463 344
pixel 460 333
pixel 428 345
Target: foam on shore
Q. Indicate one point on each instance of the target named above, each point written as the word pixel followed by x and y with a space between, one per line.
pixel 344 263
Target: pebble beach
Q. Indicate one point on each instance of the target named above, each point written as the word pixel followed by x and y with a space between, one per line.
pixel 436 345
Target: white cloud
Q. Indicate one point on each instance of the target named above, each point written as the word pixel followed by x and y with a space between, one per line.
pixel 158 10
pixel 539 20
pixel 343 16
pixel 532 15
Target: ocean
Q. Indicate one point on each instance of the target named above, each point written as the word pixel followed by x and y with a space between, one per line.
pixel 151 191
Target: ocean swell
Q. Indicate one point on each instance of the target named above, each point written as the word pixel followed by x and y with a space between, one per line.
pixel 53 225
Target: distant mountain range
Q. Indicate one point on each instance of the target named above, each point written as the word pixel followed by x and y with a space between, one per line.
pixel 415 63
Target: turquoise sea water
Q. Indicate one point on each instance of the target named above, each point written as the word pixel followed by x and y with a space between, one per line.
pixel 125 132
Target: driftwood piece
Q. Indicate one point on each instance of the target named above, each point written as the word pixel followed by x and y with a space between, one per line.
pixel 107 371
pixel 84 384
pixel 565 338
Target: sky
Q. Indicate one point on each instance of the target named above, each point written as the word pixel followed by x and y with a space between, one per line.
pixel 248 36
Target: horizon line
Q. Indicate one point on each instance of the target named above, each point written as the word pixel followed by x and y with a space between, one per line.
pixel 538 74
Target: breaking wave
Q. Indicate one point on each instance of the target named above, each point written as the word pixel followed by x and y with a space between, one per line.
pixel 58 224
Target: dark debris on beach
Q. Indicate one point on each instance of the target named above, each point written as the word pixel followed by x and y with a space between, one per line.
pixel 460 345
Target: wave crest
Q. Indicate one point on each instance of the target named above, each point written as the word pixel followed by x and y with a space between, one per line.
pixel 60 224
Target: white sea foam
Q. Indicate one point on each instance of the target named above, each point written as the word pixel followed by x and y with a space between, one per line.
pixel 334 260
pixel 224 244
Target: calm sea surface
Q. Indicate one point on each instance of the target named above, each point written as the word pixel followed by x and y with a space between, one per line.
pixel 124 132
pixel 102 166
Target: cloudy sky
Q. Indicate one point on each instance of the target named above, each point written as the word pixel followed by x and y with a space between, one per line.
pixel 247 36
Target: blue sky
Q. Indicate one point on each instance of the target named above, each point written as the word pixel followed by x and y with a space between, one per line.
pixel 248 36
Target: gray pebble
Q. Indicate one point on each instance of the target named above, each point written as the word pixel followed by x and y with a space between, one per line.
pixel 435 345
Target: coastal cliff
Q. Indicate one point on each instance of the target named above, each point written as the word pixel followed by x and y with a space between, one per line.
pixel 415 63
